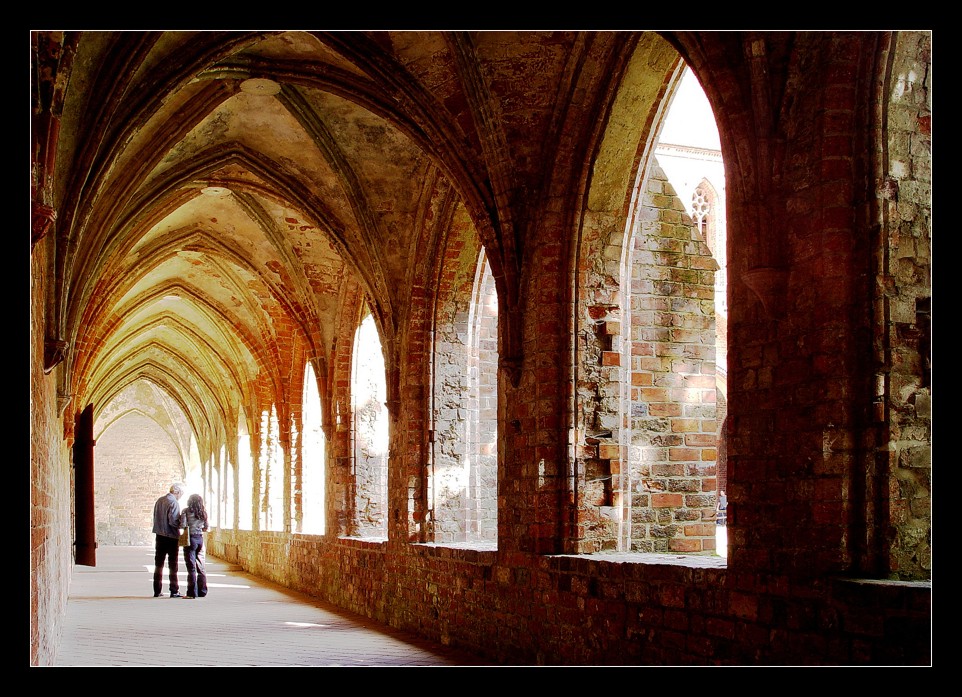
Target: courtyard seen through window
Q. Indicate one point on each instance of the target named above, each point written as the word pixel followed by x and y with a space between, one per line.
pixel 312 458
pixel 689 152
pixel 370 432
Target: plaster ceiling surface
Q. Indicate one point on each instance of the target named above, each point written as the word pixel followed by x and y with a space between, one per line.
pixel 218 187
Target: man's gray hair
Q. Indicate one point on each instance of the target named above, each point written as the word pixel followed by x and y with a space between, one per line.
pixel 176 489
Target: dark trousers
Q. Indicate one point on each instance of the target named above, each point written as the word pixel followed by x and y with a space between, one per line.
pixel 196 575
pixel 165 549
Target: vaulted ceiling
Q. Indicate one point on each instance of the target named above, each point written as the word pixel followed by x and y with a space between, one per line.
pixel 216 191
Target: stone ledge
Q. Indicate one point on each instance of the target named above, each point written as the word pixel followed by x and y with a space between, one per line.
pixel 919 585
pixel 464 551
pixel 479 546
pixel 694 561
pixel 362 541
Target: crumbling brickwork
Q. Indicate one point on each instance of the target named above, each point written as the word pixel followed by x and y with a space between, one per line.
pixel 648 392
pixel 463 481
pixel 672 441
pixel 905 303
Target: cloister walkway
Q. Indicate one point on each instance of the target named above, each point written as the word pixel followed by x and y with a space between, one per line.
pixel 112 619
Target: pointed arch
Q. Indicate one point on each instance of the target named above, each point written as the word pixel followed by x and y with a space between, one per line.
pixel 369 430
pixel 313 454
pixel 463 475
pixel 645 330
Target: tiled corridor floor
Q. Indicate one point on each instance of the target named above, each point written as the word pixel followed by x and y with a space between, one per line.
pixel 112 619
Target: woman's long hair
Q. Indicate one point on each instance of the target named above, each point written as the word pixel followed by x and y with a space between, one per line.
pixel 195 504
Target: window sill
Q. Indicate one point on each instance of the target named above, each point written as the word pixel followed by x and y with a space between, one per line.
pixel 693 561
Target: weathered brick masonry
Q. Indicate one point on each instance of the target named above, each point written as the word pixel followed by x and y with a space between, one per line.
pixel 562 610
pixel 214 212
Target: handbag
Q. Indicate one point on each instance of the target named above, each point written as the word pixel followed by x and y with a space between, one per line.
pixel 184 539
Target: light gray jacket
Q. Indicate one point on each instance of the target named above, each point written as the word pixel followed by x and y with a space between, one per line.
pixel 196 525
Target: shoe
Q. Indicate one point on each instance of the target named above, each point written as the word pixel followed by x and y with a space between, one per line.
pixel 176 595
pixel 157 595
pixel 201 595
pixel 189 597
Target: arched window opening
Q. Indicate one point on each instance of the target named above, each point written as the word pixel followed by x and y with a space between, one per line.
pixel 272 472
pixel 648 384
pixel 463 495
pixel 244 485
pixel 312 457
pixel 228 518
pixel 194 480
pixel 482 519
pixel 707 211
pixel 700 209
pixel 645 448
pixel 899 520
pixel 369 431
pixel 678 341
pixel 703 213
pixel 214 499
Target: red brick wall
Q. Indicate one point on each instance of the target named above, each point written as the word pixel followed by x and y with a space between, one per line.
pixel 51 536
pixel 520 610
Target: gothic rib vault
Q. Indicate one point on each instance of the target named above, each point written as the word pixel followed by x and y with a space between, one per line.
pixel 224 188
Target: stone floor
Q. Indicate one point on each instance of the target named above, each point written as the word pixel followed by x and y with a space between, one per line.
pixel 112 619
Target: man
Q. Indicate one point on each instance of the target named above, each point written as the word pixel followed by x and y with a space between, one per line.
pixel 167 530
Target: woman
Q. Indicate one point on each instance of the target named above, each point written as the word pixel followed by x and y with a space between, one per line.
pixel 194 518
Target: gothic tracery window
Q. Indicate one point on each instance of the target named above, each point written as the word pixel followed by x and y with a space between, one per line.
pixel 701 209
